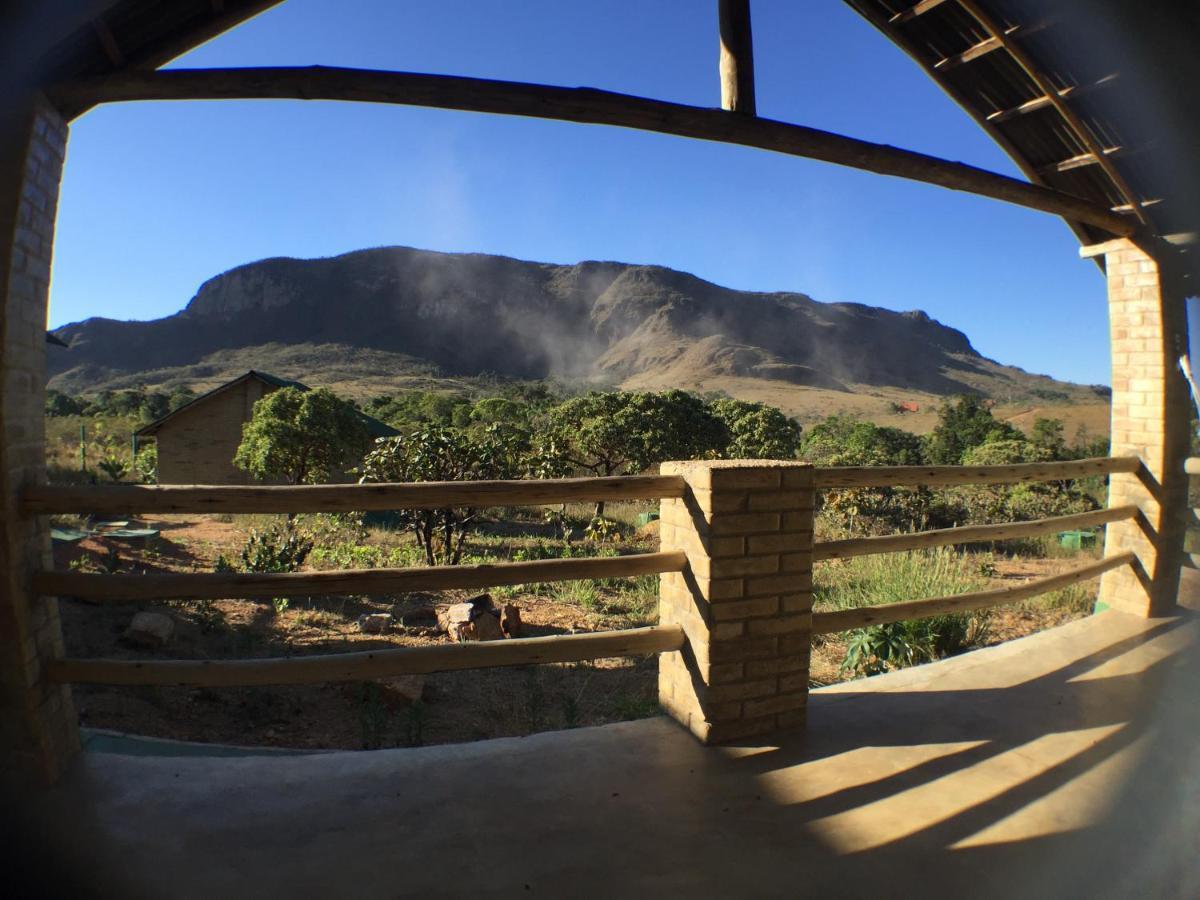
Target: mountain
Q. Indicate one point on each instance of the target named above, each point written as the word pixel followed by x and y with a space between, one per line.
pixel 371 317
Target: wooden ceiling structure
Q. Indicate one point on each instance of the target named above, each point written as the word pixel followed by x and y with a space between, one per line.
pixel 1095 101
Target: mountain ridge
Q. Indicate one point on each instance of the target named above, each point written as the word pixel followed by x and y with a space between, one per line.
pixel 466 314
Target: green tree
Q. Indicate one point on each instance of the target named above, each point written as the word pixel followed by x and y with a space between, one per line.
pixel 1020 502
pixel 1048 434
pixel 964 423
pixel 756 431
pixel 438 453
pixel 60 404
pixel 302 437
pixel 620 432
pixel 846 441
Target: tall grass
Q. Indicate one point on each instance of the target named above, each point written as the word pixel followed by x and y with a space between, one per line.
pixel 894 577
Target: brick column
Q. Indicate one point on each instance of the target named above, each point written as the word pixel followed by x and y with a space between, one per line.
pixel 745 600
pixel 1147 320
pixel 38 733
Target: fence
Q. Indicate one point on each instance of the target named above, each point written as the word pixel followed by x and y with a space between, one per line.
pixel 735 567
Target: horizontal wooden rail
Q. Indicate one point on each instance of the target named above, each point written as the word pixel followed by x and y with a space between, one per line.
pixel 832 477
pixel 369 664
pixel 1191 465
pixel 218 585
pixel 895 543
pixel 865 616
pixel 586 105
pixel 141 498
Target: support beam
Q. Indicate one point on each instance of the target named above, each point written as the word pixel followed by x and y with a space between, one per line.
pixel 983 48
pixel 1071 92
pixel 1080 161
pixel 737 57
pixel 585 105
pixel 108 43
pixel 1073 120
pixel 912 12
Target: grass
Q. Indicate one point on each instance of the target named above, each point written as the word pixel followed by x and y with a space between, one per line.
pixel 895 577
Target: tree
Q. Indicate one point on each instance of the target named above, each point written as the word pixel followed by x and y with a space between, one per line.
pixel 620 432
pixel 964 423
pixel 302 437
pixel 60 404
pixel 1048 434
pixel 845 441
pixel 756 431
pixel 1020 502
pixel 438 453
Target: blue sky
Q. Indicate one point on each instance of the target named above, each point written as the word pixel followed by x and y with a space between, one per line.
pixel 158 197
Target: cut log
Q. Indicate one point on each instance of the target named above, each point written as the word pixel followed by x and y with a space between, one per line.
pixel 510 620
pixel 476 619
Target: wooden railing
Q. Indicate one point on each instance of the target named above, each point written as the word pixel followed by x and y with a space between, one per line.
pixel 44 499
pixel 893 476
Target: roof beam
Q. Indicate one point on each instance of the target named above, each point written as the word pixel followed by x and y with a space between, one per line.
pixel 737 56
pixel 912 12
pixel 1078 162
pixel 984 47
pixel 584 105
pixel 108 42
pixel 1074 122
pixel 1070 92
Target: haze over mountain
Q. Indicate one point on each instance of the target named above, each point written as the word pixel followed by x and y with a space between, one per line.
pixel 376 314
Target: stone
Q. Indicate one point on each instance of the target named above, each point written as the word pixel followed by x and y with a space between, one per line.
pixel 401 690
pixel 375 623
pixel 476 619
pixel 149 629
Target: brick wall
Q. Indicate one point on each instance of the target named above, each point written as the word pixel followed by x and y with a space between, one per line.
pixel 39 734
pixel 745 600
pixel 1149 420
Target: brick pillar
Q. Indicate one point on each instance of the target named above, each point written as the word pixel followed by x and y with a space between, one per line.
pixel 745 600
pixel 1150 420
pixel 38 733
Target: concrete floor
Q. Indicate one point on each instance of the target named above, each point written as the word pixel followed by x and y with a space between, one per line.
pixel 1064 764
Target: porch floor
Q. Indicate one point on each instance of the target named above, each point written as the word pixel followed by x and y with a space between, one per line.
pixel 1062 764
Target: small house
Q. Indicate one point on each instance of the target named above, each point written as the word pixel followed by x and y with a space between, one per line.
pixel 197 442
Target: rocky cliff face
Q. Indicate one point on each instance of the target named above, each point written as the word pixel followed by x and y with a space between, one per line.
pixel 472 313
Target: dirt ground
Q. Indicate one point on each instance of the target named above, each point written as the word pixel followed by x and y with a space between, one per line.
pixel 453 707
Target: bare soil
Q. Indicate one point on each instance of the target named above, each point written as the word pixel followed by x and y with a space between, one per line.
pixel 455 706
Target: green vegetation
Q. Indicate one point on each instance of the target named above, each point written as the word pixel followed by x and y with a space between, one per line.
pixel 301 437
pixel 879 580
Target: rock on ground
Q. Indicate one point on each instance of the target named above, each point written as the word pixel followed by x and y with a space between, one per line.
pixel 149 629
pixel 375 623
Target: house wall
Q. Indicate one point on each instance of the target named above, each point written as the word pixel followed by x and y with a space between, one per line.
pixel 198 444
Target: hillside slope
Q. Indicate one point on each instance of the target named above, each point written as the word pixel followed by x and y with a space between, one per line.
pixel 381 317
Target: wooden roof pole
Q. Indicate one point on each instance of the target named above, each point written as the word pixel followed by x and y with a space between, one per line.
pixel 1074 122
pixel 737 57
pixel 585 105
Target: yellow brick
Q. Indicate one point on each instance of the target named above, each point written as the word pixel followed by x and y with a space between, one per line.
pixel 782 500
pixel 745 523
pixel 779 625
pixel 792 662
pixel 746 690
pixel 772 705
pixel 745 609
pixel 777 584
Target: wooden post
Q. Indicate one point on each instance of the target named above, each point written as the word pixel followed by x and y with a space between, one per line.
pixel 744 601
pixel 737 57
pixel 1149 420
